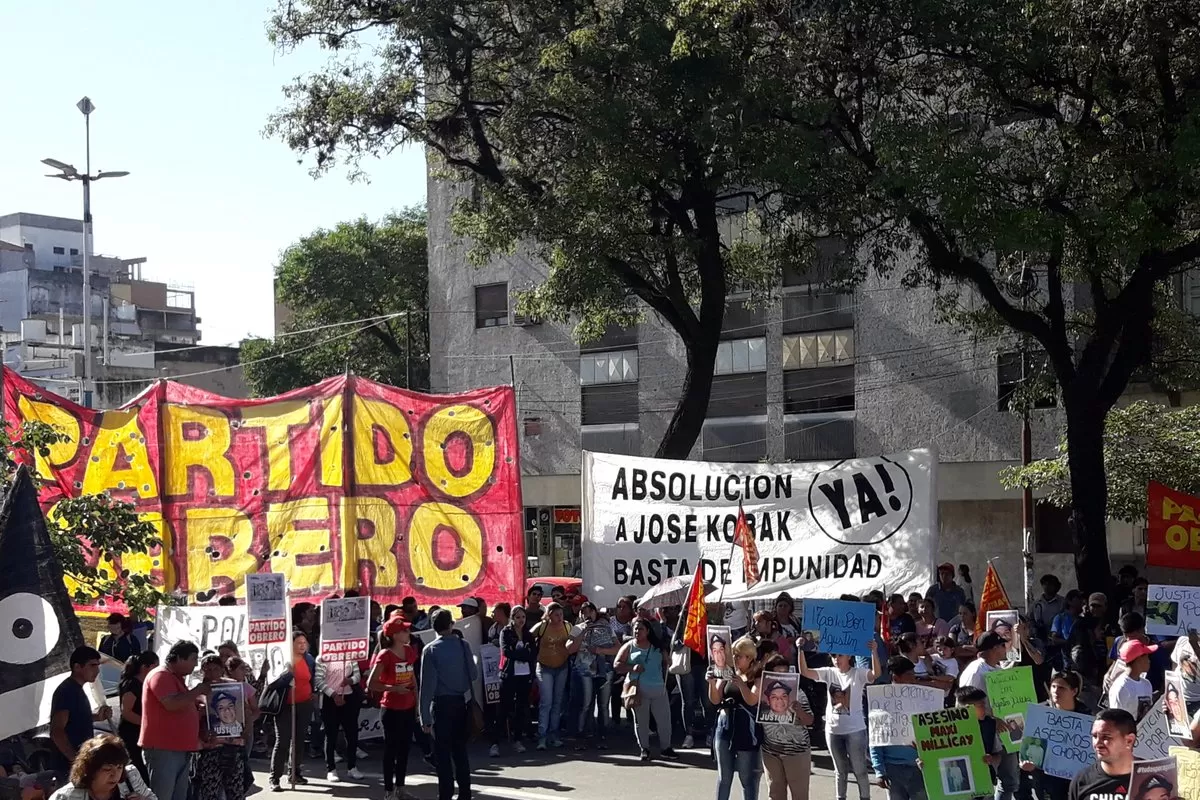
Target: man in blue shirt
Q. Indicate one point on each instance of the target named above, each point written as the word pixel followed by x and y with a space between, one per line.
pixel 946 595
pixel 447 672
pixel 71 715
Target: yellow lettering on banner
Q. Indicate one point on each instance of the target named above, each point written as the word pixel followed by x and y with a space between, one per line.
pixel 332 441
pixel 276 419
pixel 374 418
pixel 460 422
pixel 376 518
pixel 1181 538
pixel 119 457
pixel 211 532
pixel 1171 508
pixel 135 563
pixel 196 437
pixel 63 421
pixel 427 520
pixel 301 552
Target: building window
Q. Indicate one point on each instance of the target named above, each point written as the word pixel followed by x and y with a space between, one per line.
pixel 491 305
pixel 74 251
pixel 618 366
pixel 60 251
pixel 741 355
pixel 533 426
pixel 808 391
pixel 619 438
pixel 820 349
pixel 818 437
pixel 1010 376
pixel 739 440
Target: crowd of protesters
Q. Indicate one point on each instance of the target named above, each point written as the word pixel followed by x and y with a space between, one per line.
pixel 584 671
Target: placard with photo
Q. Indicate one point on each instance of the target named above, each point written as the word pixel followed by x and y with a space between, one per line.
pixel 777 698
pixel 720 653
pixel 1005 623
pixel 226 711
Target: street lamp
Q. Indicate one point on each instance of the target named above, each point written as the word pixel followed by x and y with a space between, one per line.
pixel 67 172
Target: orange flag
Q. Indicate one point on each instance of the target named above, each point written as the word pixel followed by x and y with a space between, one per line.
pixel 993 598
pixel 743 537
pixel 696 613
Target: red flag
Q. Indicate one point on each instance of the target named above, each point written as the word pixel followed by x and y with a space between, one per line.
pixel 696 613
pixel 1172 532
pixel 743 537
pixel 993 598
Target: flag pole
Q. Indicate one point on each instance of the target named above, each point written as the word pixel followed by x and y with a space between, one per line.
pixel 732 548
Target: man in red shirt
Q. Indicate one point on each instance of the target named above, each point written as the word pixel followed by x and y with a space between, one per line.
pixel 171 722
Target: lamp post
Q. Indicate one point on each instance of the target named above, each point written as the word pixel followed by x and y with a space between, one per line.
pixel 67 172
pixel 1024 285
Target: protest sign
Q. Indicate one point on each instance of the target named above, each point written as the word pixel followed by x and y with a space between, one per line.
pixel 267 607
pixel 208 627
pixel 840 627
pixel 1010 691
pixel 370 724
pixel 345 628
pixel 346 484
pixel 226 709
pixel 820 529
pixel 489 670
pixel 1172 528
pixel 951 751
pixel 1005 623
pixel 1153 780
pixel 890 709
pixel 1057 742
pixel 1175 707
pixel 776 699
pixel 1153 736
pixel 1187 770
pixel 1172 610
pixel 719 657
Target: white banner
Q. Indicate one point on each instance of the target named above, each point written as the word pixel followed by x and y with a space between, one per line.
pixel 890 710
pixel 822 529
pixel 210 626
pixel 1172 610
pixel 1153 735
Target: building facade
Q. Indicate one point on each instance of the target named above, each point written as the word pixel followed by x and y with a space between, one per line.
pixel 808 376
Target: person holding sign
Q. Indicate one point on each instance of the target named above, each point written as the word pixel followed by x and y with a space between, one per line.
pixel 738 737
pixel 393 679
pixel 786 752
pixel 219 767
pixel 1064 694
pixel 896 764
pixel 335 682
pixel 1113 735
pixel 845 723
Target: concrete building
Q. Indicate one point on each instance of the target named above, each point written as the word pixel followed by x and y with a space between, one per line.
pixel 141 328
pixel 810 376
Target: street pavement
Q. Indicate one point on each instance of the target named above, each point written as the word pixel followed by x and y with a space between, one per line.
pixel 561 774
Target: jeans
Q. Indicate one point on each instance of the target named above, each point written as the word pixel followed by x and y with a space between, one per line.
pixel 282 754
pixel 594 691
pixel 398 726
pixel 905 782
pixel 1008 776
pixel 450 746
pixel 344 717
pixel 849 751
pixel 746 764
pixel 169 773
pixel 697 713
pixel 787 772
pixel 656 701
pixel 552 683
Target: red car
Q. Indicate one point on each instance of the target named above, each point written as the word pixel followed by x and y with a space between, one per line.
pixel 547 585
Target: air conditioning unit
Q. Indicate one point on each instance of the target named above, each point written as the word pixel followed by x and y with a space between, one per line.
pixel 525 321
pixel 33 330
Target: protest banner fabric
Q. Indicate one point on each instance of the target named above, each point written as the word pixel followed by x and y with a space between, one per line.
pixel 1153 735
pixel 1063 739
pixel 267 607
pixel 841 627
pixel 820 529
pixel 1010 691
pixel 1172 610
pixel 1187 770
pixel 890 710
pixel 346 484
pixel 1172 528
pixel 208 626
pixel 951 751
pixel 1151 780
pixel 345 628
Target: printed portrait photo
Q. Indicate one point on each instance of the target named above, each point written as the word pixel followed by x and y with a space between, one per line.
pixel 1016 726
pixel 1033 750
pixel 956 776
pixel 227 710
pixel 775 701
pixel 1162 612
pixel 1175 707
pixel 720 658
pixel 1004 623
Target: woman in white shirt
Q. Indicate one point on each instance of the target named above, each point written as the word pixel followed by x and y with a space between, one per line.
pixel 845 723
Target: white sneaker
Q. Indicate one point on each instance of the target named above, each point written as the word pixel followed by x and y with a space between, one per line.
pixel 333 777
pixel 688 742
pixel 355 775
pixel 494 751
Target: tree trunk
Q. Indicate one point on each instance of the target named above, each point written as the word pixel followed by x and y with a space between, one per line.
pixel 692 408
pixel 1089 491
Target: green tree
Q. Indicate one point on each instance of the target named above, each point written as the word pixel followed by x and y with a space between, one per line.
pixel 356 296
pixel 615 140
pixel 1143 442
pixel 89 531
pixel 984 139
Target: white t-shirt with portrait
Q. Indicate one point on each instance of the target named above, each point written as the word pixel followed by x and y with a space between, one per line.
pixel 1135 695
pixel 846 691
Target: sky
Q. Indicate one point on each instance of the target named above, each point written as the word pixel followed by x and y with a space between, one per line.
pixel 182 93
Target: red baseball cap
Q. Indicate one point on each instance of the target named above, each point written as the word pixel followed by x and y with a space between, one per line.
pixel 395 624
pixel 1133 649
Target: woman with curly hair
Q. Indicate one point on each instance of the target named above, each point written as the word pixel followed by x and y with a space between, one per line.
pixel 101 771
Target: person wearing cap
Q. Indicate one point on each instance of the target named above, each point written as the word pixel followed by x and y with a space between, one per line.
pixel 1132 691
pixel 946 594
pixel 1156 788
pixel 469 607
pixel 393 679
pixel 991 649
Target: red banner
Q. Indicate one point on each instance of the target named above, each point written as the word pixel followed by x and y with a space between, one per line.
pixel 345 484
pixel 1172 528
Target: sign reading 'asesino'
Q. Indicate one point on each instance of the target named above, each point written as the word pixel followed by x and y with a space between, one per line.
pixel 1172 528
pixel 344 484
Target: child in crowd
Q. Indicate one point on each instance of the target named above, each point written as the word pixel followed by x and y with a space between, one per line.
pixel 945 658
pixel 895 765
pixel 993 748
